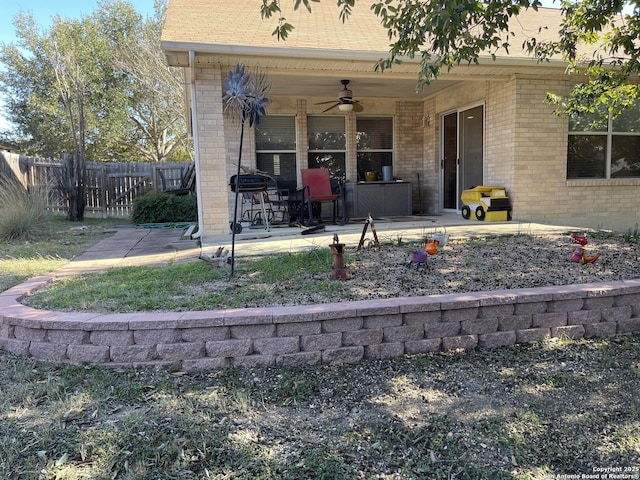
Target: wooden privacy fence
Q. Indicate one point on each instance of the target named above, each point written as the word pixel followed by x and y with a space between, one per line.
pixel 111 187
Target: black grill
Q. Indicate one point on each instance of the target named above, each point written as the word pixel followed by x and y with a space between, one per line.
pixel 249 183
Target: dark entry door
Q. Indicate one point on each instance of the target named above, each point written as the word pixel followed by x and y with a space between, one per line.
pixel 462 154
pixel 449 163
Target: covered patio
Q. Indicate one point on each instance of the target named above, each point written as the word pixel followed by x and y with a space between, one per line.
pixel 485 124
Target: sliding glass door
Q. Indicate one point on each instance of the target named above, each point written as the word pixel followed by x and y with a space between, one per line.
pixel 462 158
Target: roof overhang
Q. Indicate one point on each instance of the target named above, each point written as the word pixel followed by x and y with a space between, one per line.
pixel 316 72
pixel 322 49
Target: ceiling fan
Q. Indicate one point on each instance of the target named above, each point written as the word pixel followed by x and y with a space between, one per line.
pixel 345 101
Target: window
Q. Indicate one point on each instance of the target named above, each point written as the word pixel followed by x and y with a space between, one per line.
pixel 327 144
pixel 374 139
pixel 600 146
pixel 276 149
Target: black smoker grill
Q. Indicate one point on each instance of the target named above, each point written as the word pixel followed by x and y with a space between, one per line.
pixel 250 184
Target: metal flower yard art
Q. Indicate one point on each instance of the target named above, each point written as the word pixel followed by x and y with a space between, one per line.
pixel 245 99
pixel 245 96
pixel 580 253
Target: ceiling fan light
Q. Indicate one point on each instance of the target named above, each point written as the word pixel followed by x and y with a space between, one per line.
pixel 345 107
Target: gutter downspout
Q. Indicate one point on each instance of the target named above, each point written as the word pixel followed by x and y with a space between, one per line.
pixel 196 143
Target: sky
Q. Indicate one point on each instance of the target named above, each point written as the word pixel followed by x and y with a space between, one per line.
pixel 44 10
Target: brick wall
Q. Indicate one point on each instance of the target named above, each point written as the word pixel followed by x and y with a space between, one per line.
pixel 428 197
pixel 409 146
pixel 212 152
pixel 541 152
pixel 500 151
pixel 540 190
pixel 348 332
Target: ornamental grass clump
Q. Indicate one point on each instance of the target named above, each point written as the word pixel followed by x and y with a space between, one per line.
pixel 23 212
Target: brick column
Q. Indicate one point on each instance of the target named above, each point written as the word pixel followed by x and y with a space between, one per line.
pixel 212 153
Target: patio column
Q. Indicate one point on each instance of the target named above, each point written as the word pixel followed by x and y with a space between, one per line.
pixel 212 154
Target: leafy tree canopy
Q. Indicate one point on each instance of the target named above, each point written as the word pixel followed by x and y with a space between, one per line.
pixel 446 33
pixel 97 85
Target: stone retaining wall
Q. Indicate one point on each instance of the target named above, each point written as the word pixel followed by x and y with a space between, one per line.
pixel 347 332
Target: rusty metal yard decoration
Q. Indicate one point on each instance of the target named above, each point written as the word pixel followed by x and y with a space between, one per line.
pixel 338 270
pixel 375 243
pixel 580 254
pixel 431 247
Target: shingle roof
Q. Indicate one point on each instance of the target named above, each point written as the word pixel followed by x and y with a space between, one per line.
pixel 238 23
pixel 8 146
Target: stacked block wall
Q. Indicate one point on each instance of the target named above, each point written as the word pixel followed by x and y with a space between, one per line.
pixel 318 334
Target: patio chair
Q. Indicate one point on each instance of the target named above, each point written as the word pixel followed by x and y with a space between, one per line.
pixel 299 207
pixel 318 185
pixel 187 181
pixel 277 200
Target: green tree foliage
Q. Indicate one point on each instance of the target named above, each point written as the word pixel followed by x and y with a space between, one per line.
pixel 446 33
pixel 55 77
pixel 156 109
pixel 96 86
pixel 611 28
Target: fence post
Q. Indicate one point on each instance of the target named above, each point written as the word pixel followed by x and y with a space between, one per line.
pixel 103 190
pixel 154 176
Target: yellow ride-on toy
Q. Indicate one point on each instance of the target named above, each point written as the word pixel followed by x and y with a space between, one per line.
pixel 486 203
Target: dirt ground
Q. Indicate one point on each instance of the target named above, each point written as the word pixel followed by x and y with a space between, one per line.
pixel 462 265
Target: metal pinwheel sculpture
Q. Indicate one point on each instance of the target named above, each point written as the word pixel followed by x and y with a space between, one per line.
pixel 245 99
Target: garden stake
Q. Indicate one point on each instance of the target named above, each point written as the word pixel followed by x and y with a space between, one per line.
pixel 338 270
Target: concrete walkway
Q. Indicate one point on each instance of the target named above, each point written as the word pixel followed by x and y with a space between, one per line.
pixel 415 228
pixel 131 246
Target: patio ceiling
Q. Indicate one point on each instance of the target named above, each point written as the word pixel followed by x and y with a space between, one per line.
pixel 318 74
pixel 327 85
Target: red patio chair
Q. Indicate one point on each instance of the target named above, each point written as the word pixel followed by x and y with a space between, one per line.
pixel 319 187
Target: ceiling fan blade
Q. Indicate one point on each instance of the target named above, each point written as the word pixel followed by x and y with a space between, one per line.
pixel 357 107
pixel 324 103
pixel 331 107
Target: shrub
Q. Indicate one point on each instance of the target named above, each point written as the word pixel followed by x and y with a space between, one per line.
pixel 158 207
pixel 23 212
